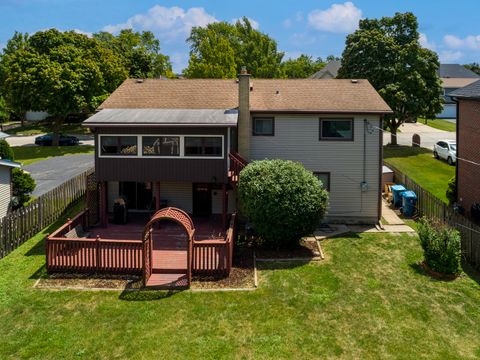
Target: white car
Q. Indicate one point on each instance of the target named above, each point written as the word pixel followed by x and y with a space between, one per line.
pixel 447 150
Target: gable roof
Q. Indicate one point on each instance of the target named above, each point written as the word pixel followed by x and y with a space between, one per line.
pixel 332 68
pixel 471 91
pixel 455 71
pixel 325 95
pixel 457 82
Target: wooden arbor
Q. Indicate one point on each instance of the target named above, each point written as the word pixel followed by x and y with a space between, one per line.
pixel 181 218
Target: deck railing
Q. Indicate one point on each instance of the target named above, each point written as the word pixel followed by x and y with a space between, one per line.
pixel 214 256
pixel 237 164
pixel 82 254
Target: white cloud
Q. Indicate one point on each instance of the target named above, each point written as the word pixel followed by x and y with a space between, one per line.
pixel 87 33
pixel 167 23
pixel 424 42
pixel 471 42
pixel 338 18
pixel 448 56
pixel 179 61
pixel 255 24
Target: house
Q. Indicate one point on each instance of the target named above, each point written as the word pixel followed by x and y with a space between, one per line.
pixel 179 145
pixel 453 77
pixel 330 71
pixel 6 167
pixel 468 151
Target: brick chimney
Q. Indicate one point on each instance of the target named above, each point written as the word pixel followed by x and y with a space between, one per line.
pixel 244 126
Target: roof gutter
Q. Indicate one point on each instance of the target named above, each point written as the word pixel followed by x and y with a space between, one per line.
pixel 106 125
pixel 301 111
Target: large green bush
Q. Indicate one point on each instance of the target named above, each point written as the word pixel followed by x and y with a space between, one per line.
pixel 441 246
pixel 6 151
pixel 22 185
pixel 283 201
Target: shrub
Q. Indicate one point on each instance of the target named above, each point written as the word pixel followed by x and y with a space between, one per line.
pixel 452 191
pixel 441 246
pixel 22 184
pixel 6 151
pixel 283 201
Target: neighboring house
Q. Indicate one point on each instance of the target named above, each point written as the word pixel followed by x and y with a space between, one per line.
pixel 453 76
pixel 172 142
pixel 6 167
pixel 36 115
pixel 468 150
pixel 330 71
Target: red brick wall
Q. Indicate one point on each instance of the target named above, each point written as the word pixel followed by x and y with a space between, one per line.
pixel 468 181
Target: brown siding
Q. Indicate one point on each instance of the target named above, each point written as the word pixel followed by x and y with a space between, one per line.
pixel 469 149
pixel 155 169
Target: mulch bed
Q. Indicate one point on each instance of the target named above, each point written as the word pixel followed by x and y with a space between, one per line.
pixel 308 249
pixel 241 276
pixel 89 281
pixel 437 275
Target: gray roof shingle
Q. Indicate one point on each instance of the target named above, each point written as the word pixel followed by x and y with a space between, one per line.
pixel 455 71
pixel 469 91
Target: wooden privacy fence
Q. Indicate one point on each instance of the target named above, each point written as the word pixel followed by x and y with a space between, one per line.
pixel 20 225
pixel 91 255
pixel 430 206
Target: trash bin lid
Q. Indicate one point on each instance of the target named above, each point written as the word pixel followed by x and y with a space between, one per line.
pixel 409 194
pixel 398 188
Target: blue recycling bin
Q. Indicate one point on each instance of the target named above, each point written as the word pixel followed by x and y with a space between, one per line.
pixel 397 191
pixel 409 201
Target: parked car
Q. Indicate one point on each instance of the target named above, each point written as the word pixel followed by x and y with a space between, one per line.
pixel 447 150
pixel 64 140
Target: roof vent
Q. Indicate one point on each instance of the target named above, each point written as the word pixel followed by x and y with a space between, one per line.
pixel 139 81
pixel 354 81
pixel 278 92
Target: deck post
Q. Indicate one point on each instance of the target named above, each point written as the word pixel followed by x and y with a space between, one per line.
pixel 224 205
pixel 103 204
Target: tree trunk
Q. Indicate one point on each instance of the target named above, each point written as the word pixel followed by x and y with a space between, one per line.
pixel 393 137
pixel 23 117
pixel 57 127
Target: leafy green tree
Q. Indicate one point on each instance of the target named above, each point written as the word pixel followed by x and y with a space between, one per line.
pixel 302 67
pixel 451 192
pixel 283 200
pixel 22 186
pixel 139 51
pixel 387 52
pixel 475 67
pixel 61 73
pixel 6 151
pixel 249 47
pixel 4 112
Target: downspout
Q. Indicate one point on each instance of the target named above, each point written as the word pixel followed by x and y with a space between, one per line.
pixel 457 128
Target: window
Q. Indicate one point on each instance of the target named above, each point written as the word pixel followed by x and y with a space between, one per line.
pixel 161 145
pixel 263 127
pixel 336 129
pixel 203 146
pixel 324 178
pixel 118 145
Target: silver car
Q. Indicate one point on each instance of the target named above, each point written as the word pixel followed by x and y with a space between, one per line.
pixel 447 150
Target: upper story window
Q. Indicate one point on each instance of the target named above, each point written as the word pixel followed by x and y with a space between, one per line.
pixel 161 145
pixel 118 145
pixel 203 146
pixel 336 129
pixel 263 126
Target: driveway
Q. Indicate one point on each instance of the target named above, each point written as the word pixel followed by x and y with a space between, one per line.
pixel 428 135
pixel 50 173
pixel 30 140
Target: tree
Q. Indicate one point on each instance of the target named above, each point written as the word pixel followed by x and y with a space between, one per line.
pixel 139 51
pixel 475 67
pixel 22 186
pixel 302 67
pixel 283 200
pixel 6 151
pixel 387 52
pixel 249 47
pixel 61 73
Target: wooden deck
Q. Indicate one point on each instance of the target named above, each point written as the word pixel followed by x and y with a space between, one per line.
pixel 118 249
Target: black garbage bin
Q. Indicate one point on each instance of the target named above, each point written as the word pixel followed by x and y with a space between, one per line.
pixel 119 212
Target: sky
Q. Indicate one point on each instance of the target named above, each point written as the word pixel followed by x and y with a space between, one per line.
pixel 317 28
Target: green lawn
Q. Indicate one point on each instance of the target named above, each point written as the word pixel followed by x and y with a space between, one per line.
pixel 441 124
pixel 35 128
pixel 30 154
pixel 367 300
pixel 420 165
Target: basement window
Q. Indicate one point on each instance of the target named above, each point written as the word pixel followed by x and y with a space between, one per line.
pixel 324 177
